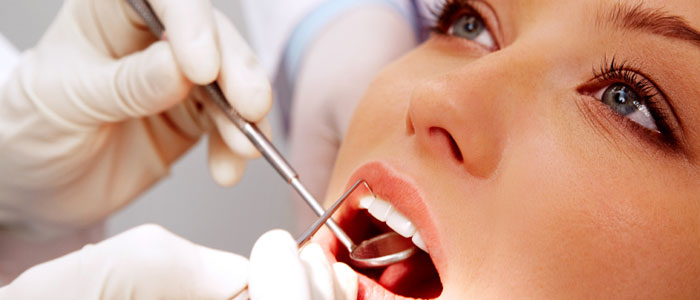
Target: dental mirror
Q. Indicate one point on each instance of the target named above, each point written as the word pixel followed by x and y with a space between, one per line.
pixel 380 251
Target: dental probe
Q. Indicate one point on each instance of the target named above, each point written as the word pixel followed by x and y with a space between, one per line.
pixel 379 251
pixel 306 236
pixel 250 130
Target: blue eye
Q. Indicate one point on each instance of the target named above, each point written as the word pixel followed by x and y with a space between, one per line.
pixel 471 27
pixel 623 100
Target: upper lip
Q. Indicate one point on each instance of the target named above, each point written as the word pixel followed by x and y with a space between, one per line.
pixel 401 191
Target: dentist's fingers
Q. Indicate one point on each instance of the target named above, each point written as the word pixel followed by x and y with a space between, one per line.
pixel 206 45
pixel 147 262
pixel 225 166
pixel 242 78
pixel 275 269
pixel 346 282
pixel 232 136
pixel 319 271
pixel 141 84
pixel 118 26
pixel 191 30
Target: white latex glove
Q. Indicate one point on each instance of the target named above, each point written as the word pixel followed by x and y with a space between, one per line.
pixel 99 109
pixel 278 270
pixel 149 262
pixel 146 263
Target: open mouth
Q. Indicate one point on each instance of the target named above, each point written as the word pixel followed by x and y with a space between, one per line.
pixel 363 217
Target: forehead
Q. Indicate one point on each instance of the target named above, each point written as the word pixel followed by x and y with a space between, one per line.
pixel 677 19
pixel 688 9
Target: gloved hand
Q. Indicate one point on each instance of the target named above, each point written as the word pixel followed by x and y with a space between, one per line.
pixel 99 109
pixel 149 262
pixel 146 262
pixel 278 272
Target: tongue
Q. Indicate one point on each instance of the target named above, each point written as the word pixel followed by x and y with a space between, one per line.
pixel 415 277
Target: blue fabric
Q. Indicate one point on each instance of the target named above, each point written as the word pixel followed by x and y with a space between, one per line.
pixel 419 22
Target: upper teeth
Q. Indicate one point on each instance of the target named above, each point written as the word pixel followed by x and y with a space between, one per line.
pixel 385 212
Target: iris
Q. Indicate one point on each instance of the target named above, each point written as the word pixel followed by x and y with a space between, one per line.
pixel 469 27
pixel 622 99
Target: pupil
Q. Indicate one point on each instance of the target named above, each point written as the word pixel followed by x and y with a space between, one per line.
pixel 471 25
pixel 620 94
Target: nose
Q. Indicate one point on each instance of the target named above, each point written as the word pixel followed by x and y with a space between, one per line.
pixel 463 116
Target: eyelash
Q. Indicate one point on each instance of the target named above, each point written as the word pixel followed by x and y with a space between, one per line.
pixel 621 72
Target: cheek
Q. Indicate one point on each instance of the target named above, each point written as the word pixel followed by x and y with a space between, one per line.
pixel 376 118
pixel 584 213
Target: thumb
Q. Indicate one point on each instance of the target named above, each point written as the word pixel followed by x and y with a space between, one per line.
pixel 337 281
pixel 226 167
pixel 142 84
pixel 275 269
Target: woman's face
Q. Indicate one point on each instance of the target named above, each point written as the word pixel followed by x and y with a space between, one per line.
pixel 542 149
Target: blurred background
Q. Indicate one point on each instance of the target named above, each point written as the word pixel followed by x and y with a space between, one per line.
pixel 188 202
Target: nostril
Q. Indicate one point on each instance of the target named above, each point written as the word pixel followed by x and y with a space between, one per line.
pixel 437 131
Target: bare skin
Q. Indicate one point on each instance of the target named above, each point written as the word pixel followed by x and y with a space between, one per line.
pixel 547 191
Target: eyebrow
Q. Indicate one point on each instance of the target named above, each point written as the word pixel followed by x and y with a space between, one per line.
pixel 651 20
